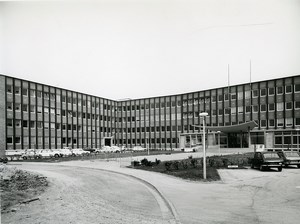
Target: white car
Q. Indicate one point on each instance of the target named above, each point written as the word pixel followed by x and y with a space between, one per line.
pixel 48 153
pixel 80 152
pixel 65 152
pixel 30 153
pixel 138 148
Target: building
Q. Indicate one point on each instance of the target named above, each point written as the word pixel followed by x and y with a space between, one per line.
pixel 34 115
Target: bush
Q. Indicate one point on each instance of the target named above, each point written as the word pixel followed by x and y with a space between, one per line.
pixel 184 164
pixel 194 162
pixel 168 165
pixel 176 165
pixel 157 161
pixel 145 162
pixel 135 163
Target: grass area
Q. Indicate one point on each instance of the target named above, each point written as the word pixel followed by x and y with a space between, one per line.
pixel 17 186
pixel 192 169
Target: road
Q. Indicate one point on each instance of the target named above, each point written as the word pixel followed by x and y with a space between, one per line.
pixel 82 195
pixel 242 196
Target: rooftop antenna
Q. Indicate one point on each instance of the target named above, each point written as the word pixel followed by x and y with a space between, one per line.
pixel 228 73
pixel 250 75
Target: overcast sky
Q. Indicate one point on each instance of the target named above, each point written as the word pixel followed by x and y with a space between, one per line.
pixel 134 49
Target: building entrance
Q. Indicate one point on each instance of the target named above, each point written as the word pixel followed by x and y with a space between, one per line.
pixel 238 140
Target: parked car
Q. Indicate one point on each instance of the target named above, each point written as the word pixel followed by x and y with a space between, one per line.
pixel 290 158
pixel 30 153
pixel 80 152
pixel 138 148
pixel 48 153
pixel 266 160
pixel 65 152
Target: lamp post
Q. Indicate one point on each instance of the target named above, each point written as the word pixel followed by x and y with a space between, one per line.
pixel 204 114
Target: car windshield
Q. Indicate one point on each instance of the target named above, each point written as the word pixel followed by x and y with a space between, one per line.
pixel 271 155
pixel 292 154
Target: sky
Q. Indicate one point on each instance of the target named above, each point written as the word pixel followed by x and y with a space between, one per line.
pixel 142 48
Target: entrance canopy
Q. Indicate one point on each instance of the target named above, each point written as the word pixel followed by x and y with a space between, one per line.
pixel 244 127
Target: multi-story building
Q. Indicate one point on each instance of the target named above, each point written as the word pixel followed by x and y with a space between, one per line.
pixel 34 115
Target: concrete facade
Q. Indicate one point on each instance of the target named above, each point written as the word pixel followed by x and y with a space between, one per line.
pixel 36 115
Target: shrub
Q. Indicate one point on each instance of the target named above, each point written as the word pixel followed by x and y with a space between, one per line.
pixel 190 157
pixel 157 161
pixel 144 162
pixel 184 164
pixel 194 162
pixel 168 165
pixel 176 165
pixel 136 163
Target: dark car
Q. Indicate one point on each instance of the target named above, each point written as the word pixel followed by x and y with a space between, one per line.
pixel 266 160
pixel 290 158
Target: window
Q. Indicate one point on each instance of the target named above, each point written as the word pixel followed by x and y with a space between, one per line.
pixel 17 90
pixel 9 88
pixel 255 93
pixel 297 104
pixel 52 110
pixel 247 94
pixel 280 106
pixel 289 122
pixel 289 105
pixel 39 124
pixel 9 122
pixel 24 92
pixel 263 123
pixel 271 107
pixel 46 125
pixel 9 140
pixel 240 95
pixel 32 93
pixel 271 122
pixel 279 90
pixel 17 140
pixel 254 108
pixel 52 125
pixel 233 96
pixel 17 107
pixel 227 110
pixel 233 110
pixel 220 98
pixel 226 96
pixel 25 124
pixel 297 121
pixel 9 105
pixel 263 92
pixel 18 123
pixel 248 109
pixel 288 89
pixel 297 87
pixel 271 91
pixel 46 110
pixel 25 107
pixel 263 107
pixel 39 94
pixel 32 124
pixel 280 122
pixel 240 109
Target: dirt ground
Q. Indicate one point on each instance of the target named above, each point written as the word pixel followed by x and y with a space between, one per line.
pixel 82 192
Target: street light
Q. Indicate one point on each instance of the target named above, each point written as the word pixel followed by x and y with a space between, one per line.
pixel 204 114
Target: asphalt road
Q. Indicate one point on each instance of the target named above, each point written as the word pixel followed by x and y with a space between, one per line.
pixel 91 195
